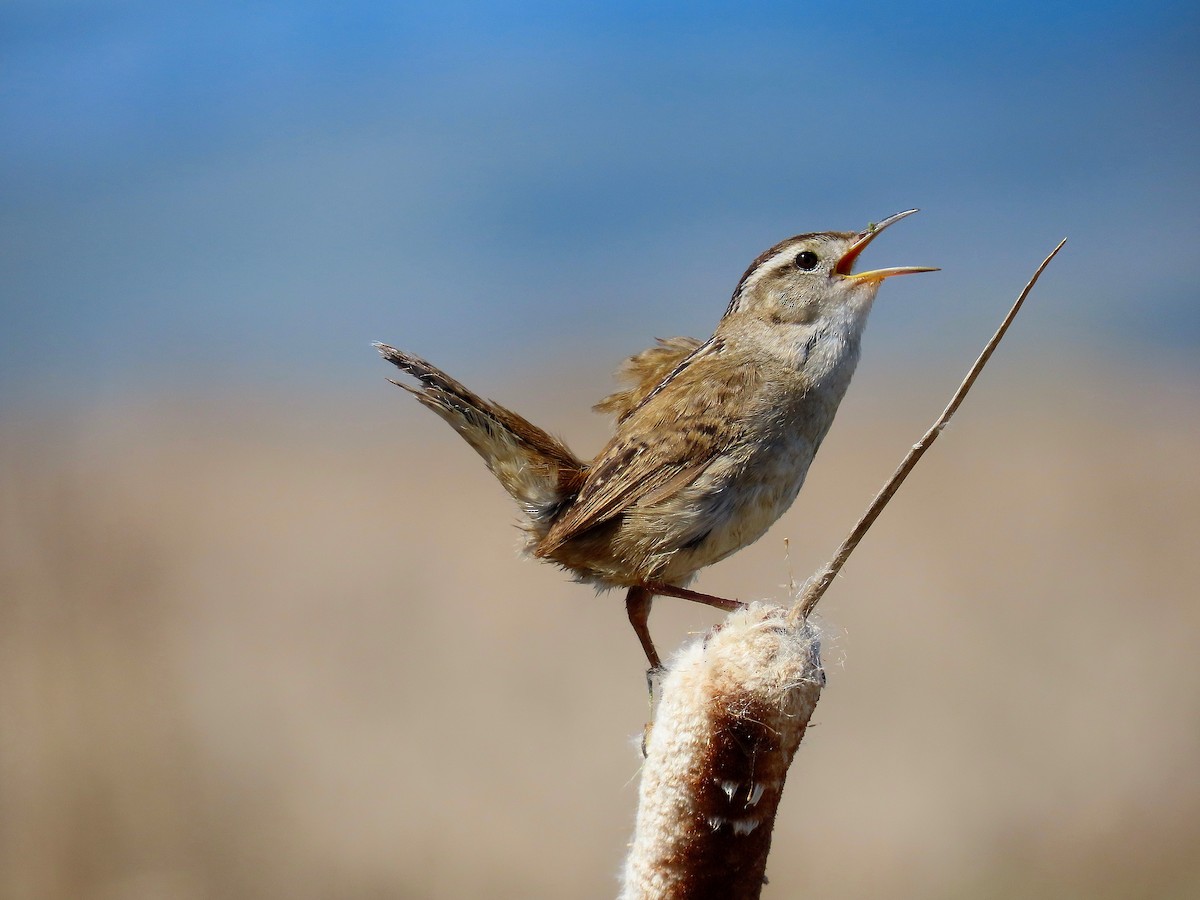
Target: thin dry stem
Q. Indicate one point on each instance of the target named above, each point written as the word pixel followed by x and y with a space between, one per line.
pixel 816 586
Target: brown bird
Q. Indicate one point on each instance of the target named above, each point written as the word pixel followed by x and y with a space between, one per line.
pixel 713 439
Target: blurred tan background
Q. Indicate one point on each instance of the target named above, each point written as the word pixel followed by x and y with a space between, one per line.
pixel 263 629
pixel 286 648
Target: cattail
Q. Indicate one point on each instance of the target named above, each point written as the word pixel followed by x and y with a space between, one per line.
pixel 734 708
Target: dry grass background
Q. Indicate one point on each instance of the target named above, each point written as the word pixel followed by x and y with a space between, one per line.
pixel 279 648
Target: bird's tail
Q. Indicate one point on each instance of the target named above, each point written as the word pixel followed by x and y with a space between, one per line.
pixel 536 468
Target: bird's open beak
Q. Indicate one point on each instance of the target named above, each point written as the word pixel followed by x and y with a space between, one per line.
pixel 846 263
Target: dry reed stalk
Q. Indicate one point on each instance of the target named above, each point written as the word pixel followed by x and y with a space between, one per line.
pixel 815 587
pixel 734 709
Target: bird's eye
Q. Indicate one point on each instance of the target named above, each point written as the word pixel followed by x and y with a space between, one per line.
pixel 806 260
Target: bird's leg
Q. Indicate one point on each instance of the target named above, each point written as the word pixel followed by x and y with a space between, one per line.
pixel 637 605
pixel 670 590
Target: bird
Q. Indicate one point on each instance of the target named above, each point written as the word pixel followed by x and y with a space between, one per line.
pixel 712 439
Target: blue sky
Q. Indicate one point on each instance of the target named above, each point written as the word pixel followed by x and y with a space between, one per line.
pixel 186 189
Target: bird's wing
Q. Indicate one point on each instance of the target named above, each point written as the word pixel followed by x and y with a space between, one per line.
pixel 663 444
pixel 643 373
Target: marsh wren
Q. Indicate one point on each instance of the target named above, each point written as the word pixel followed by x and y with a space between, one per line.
pixel 713 439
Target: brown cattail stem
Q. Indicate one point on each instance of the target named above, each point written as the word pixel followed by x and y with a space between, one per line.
pixel 816 586
pixel 734 709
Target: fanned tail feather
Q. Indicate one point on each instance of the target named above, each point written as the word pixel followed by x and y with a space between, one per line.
pixel 536 468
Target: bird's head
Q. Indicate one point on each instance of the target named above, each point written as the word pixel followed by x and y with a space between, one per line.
pixel 811 277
